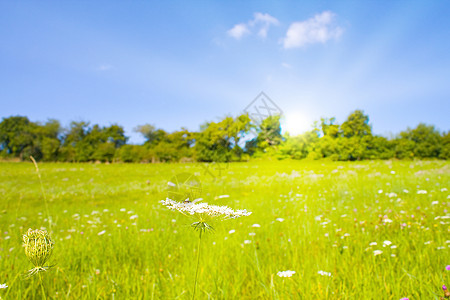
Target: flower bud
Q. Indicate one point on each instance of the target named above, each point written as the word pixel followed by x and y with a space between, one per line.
pixel 38 247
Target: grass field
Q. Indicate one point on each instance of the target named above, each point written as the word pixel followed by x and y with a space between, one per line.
pixel 114 240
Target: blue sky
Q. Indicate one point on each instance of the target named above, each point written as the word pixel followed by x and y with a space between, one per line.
pixel 181 63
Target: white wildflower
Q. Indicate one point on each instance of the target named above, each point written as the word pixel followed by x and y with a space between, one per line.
pixel 3 286
pixel 323 273
pixel 231 231
pixel 205 209
pixel 247 242
pixel 422 192
pixel 435 203
pixel 373 244
pixel 287 273
pixel 377 252
pixel 133 217
pixel 387 243
pixel 280 219
pixel 256 225
pixel 101 232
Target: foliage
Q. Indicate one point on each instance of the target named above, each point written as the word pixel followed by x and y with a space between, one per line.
pixel 229 139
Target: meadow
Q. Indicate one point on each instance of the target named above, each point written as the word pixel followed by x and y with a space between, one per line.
pixel 349 230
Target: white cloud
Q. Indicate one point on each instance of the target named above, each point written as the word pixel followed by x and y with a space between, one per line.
pixel 238 31
pixel 264 21
pixel 318 29
pixel 286 65
pixel 261 23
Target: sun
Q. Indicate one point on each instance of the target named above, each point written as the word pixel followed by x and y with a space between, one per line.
pixel 296 123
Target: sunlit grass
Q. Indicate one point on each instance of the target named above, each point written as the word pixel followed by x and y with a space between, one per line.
pixel 319 219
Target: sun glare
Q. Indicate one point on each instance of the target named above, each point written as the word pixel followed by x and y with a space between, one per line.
pixel 296 123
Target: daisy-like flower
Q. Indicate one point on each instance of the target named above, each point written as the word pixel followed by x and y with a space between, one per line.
pixel 287 273
pixel 3 286
pixel 38 249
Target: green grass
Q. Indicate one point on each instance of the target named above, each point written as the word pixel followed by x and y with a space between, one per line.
pixel 331 211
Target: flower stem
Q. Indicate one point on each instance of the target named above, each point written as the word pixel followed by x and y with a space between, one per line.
pixel 198 262
pixel 42 287
pixel 43 192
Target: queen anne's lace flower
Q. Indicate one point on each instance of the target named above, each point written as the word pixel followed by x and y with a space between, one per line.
pixel 323 273
pixel 287 273
pixel 204 209
pixel 38 249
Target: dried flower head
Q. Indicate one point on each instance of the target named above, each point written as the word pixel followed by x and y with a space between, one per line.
pixel 446 292
pixel 38 249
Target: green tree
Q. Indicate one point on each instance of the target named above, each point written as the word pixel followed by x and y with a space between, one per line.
pixel 445 150
pixel 17 136
pixel 329 128
pixel 298 147
pixel 152 135
pixel 357 124
pixel 425 140
pixel 220 141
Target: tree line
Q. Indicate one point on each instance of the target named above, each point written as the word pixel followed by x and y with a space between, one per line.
pixel 230 139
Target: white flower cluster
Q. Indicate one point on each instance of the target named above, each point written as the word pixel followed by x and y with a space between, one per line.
pixel 287 273
pixel 323 273
pixel 204 208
